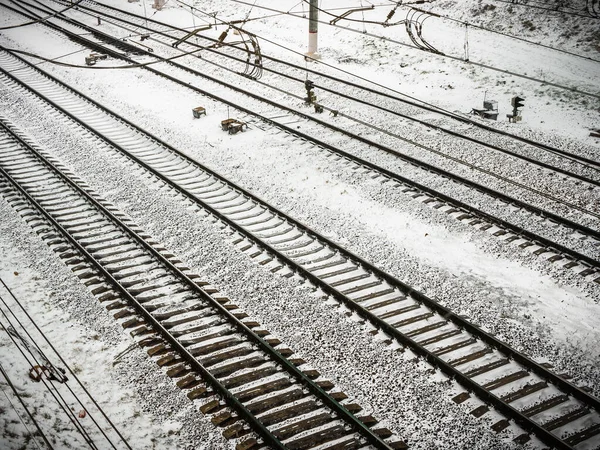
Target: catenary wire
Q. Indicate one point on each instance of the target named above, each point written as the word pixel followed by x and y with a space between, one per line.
pixel 512 2
pixel 78 66
pixel 21 419
pixel 42 19
pixel 59 400
pixel 220 20
pixel 489 30
pixel 419 121
pixel 12 386
pixel 41 352
pixel 434 108
pixel 455 58
pixel 421 102
pixel 75 377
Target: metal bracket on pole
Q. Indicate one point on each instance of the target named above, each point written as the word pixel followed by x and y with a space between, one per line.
pixel 190 34
pixel 347 13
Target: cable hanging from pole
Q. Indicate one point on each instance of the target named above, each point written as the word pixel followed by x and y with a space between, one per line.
pixel 344 16
pixel 57 397
pixel 73 375
pixel 472 25
pixel 414 25
pixel 413 22
pixel 249 41
pixel 16 393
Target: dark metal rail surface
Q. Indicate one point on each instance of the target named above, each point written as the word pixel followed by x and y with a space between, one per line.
pixel 425 326
pixel 411 160
pixel 466 211
pixel 104 239
pixel 417 163
pixel 556 151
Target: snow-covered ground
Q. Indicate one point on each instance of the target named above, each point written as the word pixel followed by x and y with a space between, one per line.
pixel 540 309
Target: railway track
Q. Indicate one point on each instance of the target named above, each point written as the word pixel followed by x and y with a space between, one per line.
pixel 578 261
pixel 358 93
pixel 245 378
pixel 578 168
pixel 559 413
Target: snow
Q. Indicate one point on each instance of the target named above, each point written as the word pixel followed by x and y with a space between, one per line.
pixel 120 378
pixel 539 308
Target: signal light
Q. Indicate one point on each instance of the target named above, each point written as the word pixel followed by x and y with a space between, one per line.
pixel 517 102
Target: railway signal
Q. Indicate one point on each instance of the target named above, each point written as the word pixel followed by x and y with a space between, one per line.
pixel 310 94
pixel 516 102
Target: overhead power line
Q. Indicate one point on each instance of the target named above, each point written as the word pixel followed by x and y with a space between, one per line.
pixel 427 105
pixel 395 41
pixel 589 15
pixel 16 393
pixel 72 374
pixel 384 23
pixel 95 67
pixel 42 19
pixel 60 401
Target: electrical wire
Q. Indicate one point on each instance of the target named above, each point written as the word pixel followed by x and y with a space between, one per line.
pixel 75 377
pixel 433 108
pixel 362 78
pixel 77 66
pixel 370 21
pixel 489 30
pixel 394 41
pixel 46 359
pixel 19 416
pixel 12 386
pixel 249 11
pixel 53 59
pixel 524 5
pixel 554 7
pixel 396 4
pixel 55 394
pixel 43 19
pixel 419 102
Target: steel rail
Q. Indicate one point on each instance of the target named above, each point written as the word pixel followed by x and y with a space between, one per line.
pixel 522 420
pixel 414 161
pixel 578 158
pixel 236 404
pixel 455 58
pixel 349 97
pixel 371 437
pixel 519 231
pixel 463 206
pixel 355 423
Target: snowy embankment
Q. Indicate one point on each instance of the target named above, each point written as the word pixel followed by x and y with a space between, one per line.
pixel 535 307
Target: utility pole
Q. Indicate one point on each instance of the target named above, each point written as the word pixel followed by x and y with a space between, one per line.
pixel 313 26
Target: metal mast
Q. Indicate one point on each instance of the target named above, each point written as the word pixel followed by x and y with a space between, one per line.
pixel 313 25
